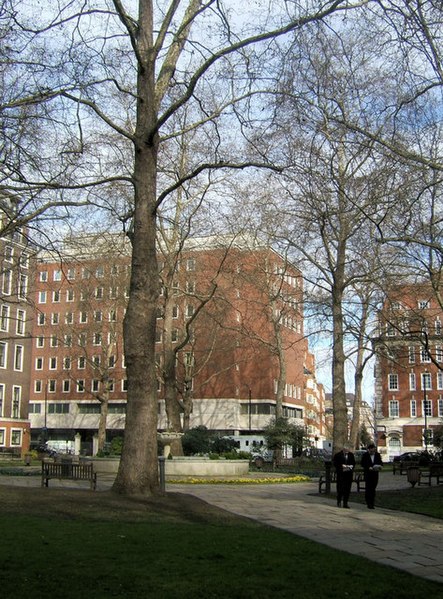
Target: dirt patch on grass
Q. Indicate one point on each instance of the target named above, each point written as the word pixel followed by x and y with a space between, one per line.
pixel 85 504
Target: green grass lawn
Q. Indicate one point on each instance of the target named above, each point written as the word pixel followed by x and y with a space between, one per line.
pixel 76 544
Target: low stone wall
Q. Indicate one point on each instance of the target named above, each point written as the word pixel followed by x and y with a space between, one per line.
pixel 186 466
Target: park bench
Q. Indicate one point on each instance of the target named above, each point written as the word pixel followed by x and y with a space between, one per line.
pixel 432 471
pixel 358 478
pixel 68 471
pixel 403 466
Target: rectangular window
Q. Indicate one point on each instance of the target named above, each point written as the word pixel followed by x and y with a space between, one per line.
pixel 393 409
pixel 39 363
pixel 67 363
pixel 438 353
pixel 412 355
pixel 54 341
pixel 70 274
pixel 80 385
pixel 2 397
pixel 69 317
pixel 20 326
pixel 440 380
pixel 82 338
pixel 438 328
pixel 112 316
pixel 44 276
pixel 95 385
pixel 99 272
pixel 2 436
pixel 190 286
pixel 440 408
pixel 426 407
pixel 67 340
pixel 82 362
pixel 175 312
pixel 58 408
pixel 7 282
pixel 53 363
pixel 24 261
pixel 35 408
pixel 9 253
pixel 97 340
pixel 16 437
pixel 96 360
pixel 18 357
pixel 189 311
pixel 412 381
pixel 23 286
pixel 423 304
pixel 83 317
pixel 393 382
pixel 111 362
pixel 124 384
pixel 55 297
pixel 190 264
pixel 40 341
pixel 413 408
pixel 69 295
pixel 99 292
pixel 4 318
pixel 66 386
pixel 41 319
pixel 3 354
pixel 426 381
pixel 98 316
pixel 57 275
pixel 425 356
pixel 52 386
pixel 38 386
pixel 16 401
pixel 42 297
pixel 55 318
pixel 113 292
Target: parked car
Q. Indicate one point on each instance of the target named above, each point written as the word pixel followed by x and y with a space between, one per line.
pixel 409 456
pixel 44 449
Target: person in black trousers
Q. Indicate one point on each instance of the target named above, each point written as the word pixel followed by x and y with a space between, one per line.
pixel 371 463
pixel 344 462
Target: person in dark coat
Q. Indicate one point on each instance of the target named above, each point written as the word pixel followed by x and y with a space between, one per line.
pixel 372 464
pixel 344 463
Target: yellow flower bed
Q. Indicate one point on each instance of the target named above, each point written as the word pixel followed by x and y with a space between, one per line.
pixel 240 481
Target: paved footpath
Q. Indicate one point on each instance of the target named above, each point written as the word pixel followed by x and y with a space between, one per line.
pixel 406 541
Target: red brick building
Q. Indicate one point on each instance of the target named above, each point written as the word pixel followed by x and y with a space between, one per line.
pixel 231 311
pixel 409 375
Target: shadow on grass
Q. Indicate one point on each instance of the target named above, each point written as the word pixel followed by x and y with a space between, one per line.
pixel 71 543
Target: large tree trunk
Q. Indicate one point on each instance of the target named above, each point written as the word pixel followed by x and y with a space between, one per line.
pixel 138 471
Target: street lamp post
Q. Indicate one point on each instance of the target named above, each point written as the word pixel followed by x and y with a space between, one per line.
pixel 249 408
pixel 425 408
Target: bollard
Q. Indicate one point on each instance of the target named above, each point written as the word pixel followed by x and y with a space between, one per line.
pixel 161 472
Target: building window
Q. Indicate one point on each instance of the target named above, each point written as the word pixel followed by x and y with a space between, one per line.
pixel 57 275
pixel 42 297
pixel 96 360
pixel 70 274
pixel 113 292
pixel 112 316
pixel 438 354
pixel 22 286
pixel 82 338
pixel 390 330
pixel 412 381
pixel 53 363
pixel 39 363
pixel 426 381
pixel 69 317
pixel 67 340
pixel 99 293
pixel 411 355
pixel 18 357
pixel 80 385
pixel 52 386
pixel 97 340
pixel 440 380
pixel 175 312
pixel 83 317
pixel 81 362
pixel 99 272
pixel 393 409
pixel 2 397
pixel 41 319
pixel 58 408
pixel 9 253
pixel 98 316
pixel 16 400
pixel 125 385
pixel 3 354
pixel 55 318
pixel 413 408
pixel 190 264
pixel 4 318
pixel 67 361
pixel 21 317
pixel 111 362
pixel 393 382
pixel 66 386
pixel 426 407
pixel 7 282
pixel 425 356
pixel 88 408
pixel 54 341
pixel 174 335
pixel 40 341
pixel 69 295
pixel 56 297
pixel 44 276
pixel 35 408
pixel 423 304
pixel 95 386
pixel 440 407
pixel 38 386
pixel 190 286
pixel 16 437
pixel 189 311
